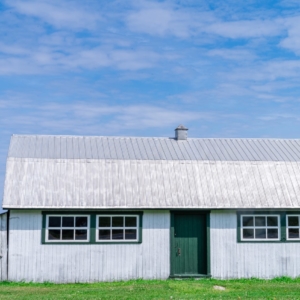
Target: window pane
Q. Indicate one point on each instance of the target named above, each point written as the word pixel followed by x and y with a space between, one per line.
pixel 117 221
pixel 293 233
pixel 130 234
pixel 117 234
pixel 272 221
pixel 260 221
pixel 54 221
pixel 54 235
pixel 260 233
pixel 293 221
pixel 80 234
pixel 104 222
pixel 130 221
pixel 68 234
pixel 104 234
pixel 81 221
pixel 248 233
pixel 272 233
pixel 68 222
pixel 247 221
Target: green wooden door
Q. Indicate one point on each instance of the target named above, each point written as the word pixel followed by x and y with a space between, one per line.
pixel 188 244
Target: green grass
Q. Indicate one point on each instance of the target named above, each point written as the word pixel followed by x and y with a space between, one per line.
pixel 278 288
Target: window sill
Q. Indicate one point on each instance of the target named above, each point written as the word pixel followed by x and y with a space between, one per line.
pixel 91 243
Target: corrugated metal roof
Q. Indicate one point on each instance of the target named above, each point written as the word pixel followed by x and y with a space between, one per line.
pixel 131 172
pixel 93 184
pixel 137 148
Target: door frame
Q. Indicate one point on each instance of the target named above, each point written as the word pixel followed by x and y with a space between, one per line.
pixel 193 212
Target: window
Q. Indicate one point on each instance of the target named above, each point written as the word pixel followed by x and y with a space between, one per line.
pixel 92 227
pixel 117 228
pixel 260 227
pixel 292 227
pixel 67 228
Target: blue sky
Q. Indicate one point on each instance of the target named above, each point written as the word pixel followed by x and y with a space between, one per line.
pixel 140 68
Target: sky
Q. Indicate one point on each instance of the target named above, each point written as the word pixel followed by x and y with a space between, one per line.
pixel 140 68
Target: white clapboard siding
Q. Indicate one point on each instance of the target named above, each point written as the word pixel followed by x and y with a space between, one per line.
pixel 230 259
pixel 155 184
pixel 29 260
pixel 3 247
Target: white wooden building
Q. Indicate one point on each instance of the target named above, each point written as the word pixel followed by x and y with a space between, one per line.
pixel 86 209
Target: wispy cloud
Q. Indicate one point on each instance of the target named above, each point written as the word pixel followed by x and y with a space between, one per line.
pixel 276 117
pixel 234 54
pixel 83 118
pixel 45 60
pixel 60 14
pixel 161 19
pixel 246 28
pixel 292 40
pixel 267 71
pixel 121 59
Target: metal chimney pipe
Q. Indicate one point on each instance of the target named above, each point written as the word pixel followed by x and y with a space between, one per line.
pixel 181 133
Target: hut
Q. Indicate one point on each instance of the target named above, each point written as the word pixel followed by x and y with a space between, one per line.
pixel 97 208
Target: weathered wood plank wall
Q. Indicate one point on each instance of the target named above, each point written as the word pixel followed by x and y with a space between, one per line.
pixel 3 247
pixel 230 259
pixel 29 260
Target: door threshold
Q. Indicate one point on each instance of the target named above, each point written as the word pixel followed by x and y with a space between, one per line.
pixel 190 276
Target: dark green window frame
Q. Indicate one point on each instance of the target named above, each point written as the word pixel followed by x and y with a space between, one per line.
pixel 282 226
pixel 92 228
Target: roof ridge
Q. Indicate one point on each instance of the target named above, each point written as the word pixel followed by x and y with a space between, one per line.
pixel 153 137
pixel 152 148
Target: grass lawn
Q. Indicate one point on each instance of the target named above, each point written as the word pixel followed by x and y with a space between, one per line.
pixel 279 288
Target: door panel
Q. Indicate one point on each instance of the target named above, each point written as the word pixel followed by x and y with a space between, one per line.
pixel 188 244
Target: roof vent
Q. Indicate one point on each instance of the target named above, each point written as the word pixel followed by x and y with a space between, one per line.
pixel 181 133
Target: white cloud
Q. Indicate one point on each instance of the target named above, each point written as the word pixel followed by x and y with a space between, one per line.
pixel 264 71
pixel 281 69
pixel 292 40
pixel 162 19
pixel 278 116
pixel 48 60
pixel 124 59
pixel 13 49
pixel 18 66
pixel 246 28
pixel 233 54
pixel 60 14
pixel 272 86
pixel 159 21
pixel 87 118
